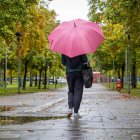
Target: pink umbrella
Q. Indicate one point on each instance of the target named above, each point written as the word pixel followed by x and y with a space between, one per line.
pixel 76 37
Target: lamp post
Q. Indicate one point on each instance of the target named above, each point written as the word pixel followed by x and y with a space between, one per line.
pixel 5 68
pixel 18 34
pixel 128 54
pixel 113 74
pixel 128 63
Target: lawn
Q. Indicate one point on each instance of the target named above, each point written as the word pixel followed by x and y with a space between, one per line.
pixel 12 89
pixel 133 91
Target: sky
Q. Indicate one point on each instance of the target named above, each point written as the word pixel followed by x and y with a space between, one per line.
pixel 70 9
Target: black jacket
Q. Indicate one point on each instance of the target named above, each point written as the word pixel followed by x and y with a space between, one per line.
pixel 79 67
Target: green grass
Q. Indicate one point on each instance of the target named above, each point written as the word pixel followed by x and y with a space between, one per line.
pixel 12 89
pixel 133 92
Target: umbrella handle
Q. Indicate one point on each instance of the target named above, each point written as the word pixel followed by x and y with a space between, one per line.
pixel 50 44
pixel 74 25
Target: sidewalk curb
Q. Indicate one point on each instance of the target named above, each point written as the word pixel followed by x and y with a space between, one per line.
pixel 45 106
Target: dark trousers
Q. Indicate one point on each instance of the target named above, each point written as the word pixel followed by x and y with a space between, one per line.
pixel 75 87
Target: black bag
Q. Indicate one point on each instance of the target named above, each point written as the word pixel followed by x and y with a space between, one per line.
pixel 87 76
pixel 73 62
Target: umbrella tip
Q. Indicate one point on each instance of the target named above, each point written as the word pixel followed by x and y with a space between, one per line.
pixel 74 24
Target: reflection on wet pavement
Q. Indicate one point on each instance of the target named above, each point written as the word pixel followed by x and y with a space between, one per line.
pixel 75 130
pixel 7 120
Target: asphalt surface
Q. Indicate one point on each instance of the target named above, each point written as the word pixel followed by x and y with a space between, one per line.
pixel 106 115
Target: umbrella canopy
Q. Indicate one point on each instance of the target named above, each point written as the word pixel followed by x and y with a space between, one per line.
pixel 76 37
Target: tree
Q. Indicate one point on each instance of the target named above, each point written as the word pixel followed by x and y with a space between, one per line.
pixel 35 21
pixel 125 14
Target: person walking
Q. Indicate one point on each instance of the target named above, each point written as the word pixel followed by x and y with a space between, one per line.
pixel 75 83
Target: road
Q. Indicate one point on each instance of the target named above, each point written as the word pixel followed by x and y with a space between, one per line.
pixel 106 115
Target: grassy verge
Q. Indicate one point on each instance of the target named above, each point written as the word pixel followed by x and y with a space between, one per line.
pixel 133 92
pixel 13 89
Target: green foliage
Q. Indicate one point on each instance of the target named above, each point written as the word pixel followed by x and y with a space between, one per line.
pixel 35 21
pixel 116 17
pixel 39 61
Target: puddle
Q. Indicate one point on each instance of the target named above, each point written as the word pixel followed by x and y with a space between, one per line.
pixel 6 108
pixel 7 120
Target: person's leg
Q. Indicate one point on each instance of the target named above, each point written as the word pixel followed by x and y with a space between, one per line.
pixel 70 81
pixel 78 91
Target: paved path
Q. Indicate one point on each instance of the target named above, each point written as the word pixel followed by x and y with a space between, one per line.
pixel 106 115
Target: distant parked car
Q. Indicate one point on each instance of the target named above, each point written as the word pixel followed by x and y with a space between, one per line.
pixel 61 81
pixel 51 81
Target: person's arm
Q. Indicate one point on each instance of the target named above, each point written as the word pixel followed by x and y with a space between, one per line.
pixel 63 60
pixel 85 61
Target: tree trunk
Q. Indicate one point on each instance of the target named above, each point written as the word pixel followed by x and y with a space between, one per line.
pixel 123 69
pixel 134 75
pixel 134 78
pixel 11 77
pixel 53 77
pixel 119 74
pixel 45 79
pixel 36 79
pixel 31 78
pixel 45 75
pixel 39 84
pixel 4 74
pixel 25 74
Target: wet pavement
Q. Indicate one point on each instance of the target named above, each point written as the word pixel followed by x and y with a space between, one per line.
pixel 106 115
